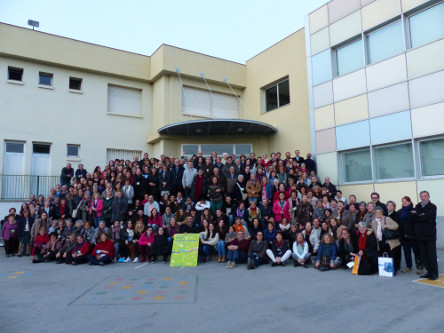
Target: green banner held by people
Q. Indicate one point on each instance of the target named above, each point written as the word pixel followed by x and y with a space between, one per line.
pixel 185 250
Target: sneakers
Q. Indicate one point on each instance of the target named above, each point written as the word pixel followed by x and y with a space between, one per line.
pixel 101 263
pixel 136 260
pixel 121 259
pixel 233 264
pixel 419 271
pixel 406 270
pixel 228 264
pixel 164 262
pixel 127 259
pixel 249 264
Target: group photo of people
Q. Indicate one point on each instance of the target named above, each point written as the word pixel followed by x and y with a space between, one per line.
pixel 251 210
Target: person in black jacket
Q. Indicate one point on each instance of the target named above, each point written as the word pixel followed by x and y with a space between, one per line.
pixel 280 251
pixel 140 185
pixel 25 223
pixel 348 246
pixel 66 175
pixel 176 177
pixel 161 246
pixel 120 206
pixel 425 234
pixel 367 250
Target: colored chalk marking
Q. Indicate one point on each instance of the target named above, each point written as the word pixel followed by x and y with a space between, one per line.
pixel 137 298
pixel 120 279
pixel 168 279
pixel 19 272
pixel 142 291
pixel 126 287
pixel 119 298
pixel 435 283
pixel 12 276
pixel 179 297
pixel 130 282
pixel 113 283
pixel 158 298
pixel 101 293
pixel 183 282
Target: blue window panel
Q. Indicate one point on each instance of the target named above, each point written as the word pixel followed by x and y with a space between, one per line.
pixel 390 128
pixel 321 64
pixel 353 135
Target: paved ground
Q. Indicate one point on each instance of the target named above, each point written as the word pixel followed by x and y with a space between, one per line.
pixel 131 297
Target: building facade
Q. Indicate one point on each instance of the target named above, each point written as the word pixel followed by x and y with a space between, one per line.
pixel 376 73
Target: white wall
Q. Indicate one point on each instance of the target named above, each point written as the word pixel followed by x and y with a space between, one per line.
pixel 60 117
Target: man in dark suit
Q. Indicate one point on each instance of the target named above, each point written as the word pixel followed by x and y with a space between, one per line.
pixel 424 217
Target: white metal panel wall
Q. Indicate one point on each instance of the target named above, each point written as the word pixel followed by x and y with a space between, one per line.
pixel 122 154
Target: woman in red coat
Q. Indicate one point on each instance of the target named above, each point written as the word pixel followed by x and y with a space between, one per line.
pixel 79 253
pixel 281 208
pixel 103 252
pixel 95 209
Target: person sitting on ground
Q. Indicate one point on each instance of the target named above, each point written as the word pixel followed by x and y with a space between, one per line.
pixel 127 248
pixel 326 258
pixel 240 225
pixel 208 240
pixel 230 236
pixel 348 246
pixel 237 250
pixel 270 234
pixel 87 232
pixel 50 249
pixel 103 253
pixel 102 228
pixel 161 246
pixel 145 242
pixel 280 252
pixel 67 247
pixel 257 254
pixel 39 242
pixel 78 254
pixel 367 251
pixel 300 254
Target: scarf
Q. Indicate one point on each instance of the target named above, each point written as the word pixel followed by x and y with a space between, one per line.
pixel 362 243
pixel 379 231
pixel 239 227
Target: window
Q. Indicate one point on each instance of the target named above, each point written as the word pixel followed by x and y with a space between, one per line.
pixel 394 161
pixel 427 26
pixel 321 64
pixel 356 166
pixel 15 147
pixel 202 103
pixel 41 148
pixel 75 84
pixel 72 150
pixel 189 150
pixel 122 154
pixel 15 74
pixel 45 79
pixel 124 101
pixel 349 57
pixel 432 157
pixel 277 96
pixel 385 42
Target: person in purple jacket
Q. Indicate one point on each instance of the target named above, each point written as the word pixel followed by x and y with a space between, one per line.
pixel 10 234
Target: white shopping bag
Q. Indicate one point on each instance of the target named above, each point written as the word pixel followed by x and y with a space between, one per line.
pixel 385 265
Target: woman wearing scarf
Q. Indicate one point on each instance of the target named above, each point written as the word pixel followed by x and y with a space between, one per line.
pixel 391 246
pixel 367 251
pixel 79 252
pixel 253 189
pixel 257 251
pixel 200 186
pixel 280 252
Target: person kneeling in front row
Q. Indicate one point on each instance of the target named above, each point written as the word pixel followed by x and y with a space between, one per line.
pixel 280 252
pixel 103 252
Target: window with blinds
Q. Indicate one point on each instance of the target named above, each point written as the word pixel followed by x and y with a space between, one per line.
pixel 122 154
pixel 202 103
pixel 124 101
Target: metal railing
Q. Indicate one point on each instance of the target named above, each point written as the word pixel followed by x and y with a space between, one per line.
pixel 21 187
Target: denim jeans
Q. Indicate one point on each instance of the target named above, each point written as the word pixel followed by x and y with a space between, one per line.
pixel 237 256
pixel 93 260
pixel 220 248
pixel 409 244
pixel 116 249
pixel 96 221
pixel 206 250
pixel 258 261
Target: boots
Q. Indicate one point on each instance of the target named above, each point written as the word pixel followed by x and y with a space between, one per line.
pixel 219 258
pixel 223 259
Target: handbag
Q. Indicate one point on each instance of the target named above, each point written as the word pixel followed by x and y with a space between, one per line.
pixel 356 265
pixel 391 234
pixel 74 211
pixel 244 195
pixel 385 265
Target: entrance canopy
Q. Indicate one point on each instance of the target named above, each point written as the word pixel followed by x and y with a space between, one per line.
pixel 218 127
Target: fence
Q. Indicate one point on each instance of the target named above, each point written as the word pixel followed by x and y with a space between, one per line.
pixel 21 187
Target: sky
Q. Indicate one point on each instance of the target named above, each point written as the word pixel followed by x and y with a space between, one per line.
pixel 235 30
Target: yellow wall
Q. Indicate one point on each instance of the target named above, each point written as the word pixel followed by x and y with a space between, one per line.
pixel 284 59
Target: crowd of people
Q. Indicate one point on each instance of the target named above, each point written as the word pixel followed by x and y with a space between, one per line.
pixel 253 210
